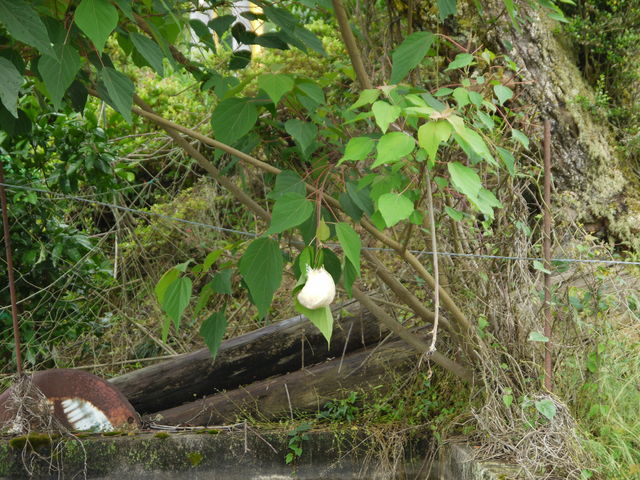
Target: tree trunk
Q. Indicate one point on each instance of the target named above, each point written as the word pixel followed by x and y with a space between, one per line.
pixel 303 390
pixel 273 350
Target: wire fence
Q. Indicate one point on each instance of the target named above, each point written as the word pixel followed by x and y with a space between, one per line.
pixel 254 235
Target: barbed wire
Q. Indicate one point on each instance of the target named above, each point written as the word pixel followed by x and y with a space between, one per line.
pixel 254 235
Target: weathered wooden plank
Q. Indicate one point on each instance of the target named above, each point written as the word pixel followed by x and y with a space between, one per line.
pixel 272 350
pixel 303 390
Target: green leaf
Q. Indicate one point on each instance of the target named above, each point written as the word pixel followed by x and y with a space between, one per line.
pixel 203 299
pixel 311 91
pixel 358 148
pixel 331 264
pixel 432 134
pixel 322 232
pixel 349 276
pixel 547 408
pixel 537 264
pixel 287 181
pixel 120 90
pixel 464 179
pixel 9 85
pixel 486 201
pixel 392 147
pixel 520 137
pixel 477 144
pixel 290 210
pixel 167 279
pixel 351 244
pixel 360 196
pixel 125 6
pixel 304 133
pixel 508 160
pixel 212 331
pixel 385 114
pixel 502 93
pixel 462 60
pixel 261 269
pixel 507 400
pixel 221 24
pixel 211 259
pixel 150 50
pixel 462 97
pixel 322 318
pixel 409 54
pixel 58 73
pixel 97 19
pixel 537 337
pixel 366 97
pixel 233 118
pixel 456 215
pixel 446 8
pixel 394 208
pixel 221 282
pixel 176 299
pixel 275 85
pixel 24 24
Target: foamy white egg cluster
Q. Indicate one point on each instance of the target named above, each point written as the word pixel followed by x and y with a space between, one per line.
pixel 319 291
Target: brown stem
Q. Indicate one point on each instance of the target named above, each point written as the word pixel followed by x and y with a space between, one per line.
pixel 12 282
pixel 434 249
pixel 409 337
pixel 352 47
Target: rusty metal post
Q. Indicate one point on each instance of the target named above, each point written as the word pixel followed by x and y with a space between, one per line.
pixel 546 251
pixel 12 285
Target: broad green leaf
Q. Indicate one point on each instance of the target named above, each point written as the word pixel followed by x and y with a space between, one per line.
pixel 261 269
pixel 221 24
pixel 508 160
pixel 537 337
pixel 432 134
pixel 211 259
pixel 176 299
pixel 507 400
pixel 502 93
pixel 360 196
pixel 462 60
pixel 349 207
pixel 366 97
pixel 409 54
pixel 221 282
pixel 392 147
pixel 464 179
pixel 304 133
pixel 538 265
pixel 462 97
pixel 203 299
pixel 547 408
pixel 308 38
pixel 59 72
pixel 9 85
pixel 150 50
pixel 358 148
pixel 275 85
pixel 520 137
pixel 322 318
pixel 280 16
pixel 477 144
pixel 120 90
pixel 486 120
pixel 476 98
pixel 331 264
pixel 290 210
pixel 456 215
pixel 287 181
pixel 446 8
pixel 97 19
pixel 486 201
pixel 212 331
pixel 233 118
pixel 312 91
pixel 349 276
pixel 24 24
pixel 322 232
pixel 350 243
pixel 385 114
pixel 125 6
pixel 166 280
pixel 394 208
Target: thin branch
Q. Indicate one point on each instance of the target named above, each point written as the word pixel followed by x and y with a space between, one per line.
pixel 434 249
